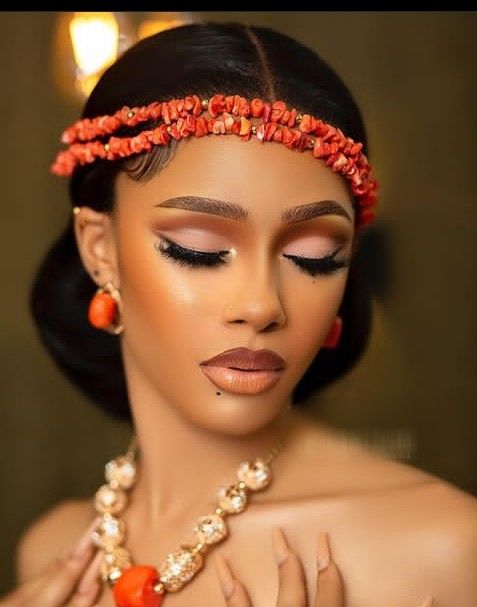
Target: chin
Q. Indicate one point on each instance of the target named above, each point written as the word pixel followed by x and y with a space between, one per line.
pixel 236 416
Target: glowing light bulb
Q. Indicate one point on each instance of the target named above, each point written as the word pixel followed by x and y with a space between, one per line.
pixel 94 37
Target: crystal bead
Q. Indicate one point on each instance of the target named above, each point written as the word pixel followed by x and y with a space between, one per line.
pixel 117 557
pixel 109 533
pixel 256 474
pixel 232 499
pixel 113 563
pixel 210 529
pixel 110 500
pixel 110 574
pixel 179 567
pixel 121 471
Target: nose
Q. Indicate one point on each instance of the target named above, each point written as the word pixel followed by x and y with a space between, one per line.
pixel 256 301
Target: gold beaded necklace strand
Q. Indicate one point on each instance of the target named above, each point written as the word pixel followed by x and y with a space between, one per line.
pixel 144 585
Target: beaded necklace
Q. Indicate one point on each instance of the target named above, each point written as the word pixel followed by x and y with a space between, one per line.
pixel 144 585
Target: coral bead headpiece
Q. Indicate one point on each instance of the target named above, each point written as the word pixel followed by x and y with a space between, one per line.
pixel 93 138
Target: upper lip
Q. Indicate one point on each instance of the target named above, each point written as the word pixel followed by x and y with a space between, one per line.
pixel 243 358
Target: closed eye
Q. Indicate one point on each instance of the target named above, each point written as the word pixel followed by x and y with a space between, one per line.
pixel 321 265
pixel 189 257
pixel 196 259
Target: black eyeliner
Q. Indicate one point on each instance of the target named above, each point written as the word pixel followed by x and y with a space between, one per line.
pixel 189 257
pixel 323 265
pixel 195 259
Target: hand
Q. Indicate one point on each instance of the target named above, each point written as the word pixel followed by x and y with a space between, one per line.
pixel 68 581
pixel 291 579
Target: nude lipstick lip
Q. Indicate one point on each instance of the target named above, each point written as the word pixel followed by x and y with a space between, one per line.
pixel 244 371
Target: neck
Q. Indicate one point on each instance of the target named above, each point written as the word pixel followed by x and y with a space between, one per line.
pixel 181 466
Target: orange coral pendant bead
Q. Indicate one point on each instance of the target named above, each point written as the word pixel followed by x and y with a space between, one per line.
pixel 102 310
pixel 333 337
pixel 135 587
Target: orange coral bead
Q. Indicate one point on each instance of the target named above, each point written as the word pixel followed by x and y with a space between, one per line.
pixel 135 587
pixel 102 310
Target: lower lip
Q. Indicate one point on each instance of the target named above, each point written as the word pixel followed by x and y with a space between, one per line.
pixel 241 382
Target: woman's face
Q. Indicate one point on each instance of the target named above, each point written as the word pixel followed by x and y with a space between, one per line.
pixel 225 248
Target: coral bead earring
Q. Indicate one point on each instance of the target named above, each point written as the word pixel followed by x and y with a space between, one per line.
pixel 334 335
pixel 102 310
pixel 105 309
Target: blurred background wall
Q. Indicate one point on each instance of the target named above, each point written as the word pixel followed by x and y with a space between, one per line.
pixel 414 393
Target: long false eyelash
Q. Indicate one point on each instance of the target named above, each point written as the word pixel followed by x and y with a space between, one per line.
pixel 189 257
pixel 324 265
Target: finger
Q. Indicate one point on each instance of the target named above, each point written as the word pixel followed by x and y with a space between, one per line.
pixel 90 584
pixel 330 589
pixel 234 592
pixel 88 595
pixel 83 546
pixel 59 579
pixel 33 584
pixel 51 583
pixel 291 579
pixel 55 589
pixel 22 593
pixel 84 540
pixel 427 602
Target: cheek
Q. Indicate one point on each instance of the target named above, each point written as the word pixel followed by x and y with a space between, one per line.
pixel 168 306
pixel 312 305
pixel 164 303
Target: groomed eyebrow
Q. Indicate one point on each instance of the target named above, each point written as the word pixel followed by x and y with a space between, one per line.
pixel 232 210
pixel 315 209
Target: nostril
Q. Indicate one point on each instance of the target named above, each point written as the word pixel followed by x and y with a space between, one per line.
pixel 272 326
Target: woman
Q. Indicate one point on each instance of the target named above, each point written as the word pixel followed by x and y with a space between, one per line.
pixel 221 281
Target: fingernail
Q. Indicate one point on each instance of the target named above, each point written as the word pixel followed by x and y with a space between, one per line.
pixel 226 579
pixel 428 602
pixel 280 546
pixel 323 551
pixel 85 540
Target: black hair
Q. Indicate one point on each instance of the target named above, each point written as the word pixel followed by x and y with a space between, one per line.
pixel 201 58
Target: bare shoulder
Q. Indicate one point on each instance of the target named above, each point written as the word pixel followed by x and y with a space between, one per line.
pixel 439 515
pixel 334 462
pixel 445 531
pixel 432 529
pixel 49 535
pixel 418 531
pixel 412 492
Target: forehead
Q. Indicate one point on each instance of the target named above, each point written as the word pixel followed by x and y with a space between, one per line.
pixel 254 174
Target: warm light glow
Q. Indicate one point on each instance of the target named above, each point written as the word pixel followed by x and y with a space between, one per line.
pixel 87 43
pixel 94 37
pixel 154 26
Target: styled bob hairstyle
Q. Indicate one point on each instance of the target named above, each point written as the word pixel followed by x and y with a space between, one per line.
pixel 201 58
